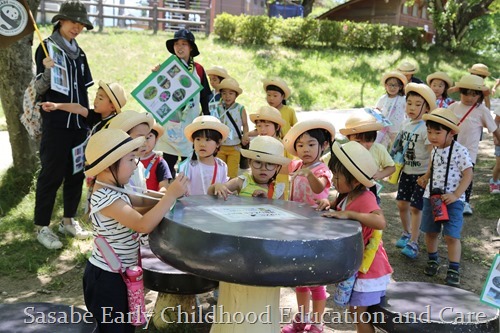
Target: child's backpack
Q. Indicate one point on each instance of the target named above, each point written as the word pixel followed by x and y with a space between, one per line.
pixel 31 117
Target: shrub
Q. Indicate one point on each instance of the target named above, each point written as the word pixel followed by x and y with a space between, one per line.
pixel 330 32
pixel 298 32
pixel 255 29
pixel 225 26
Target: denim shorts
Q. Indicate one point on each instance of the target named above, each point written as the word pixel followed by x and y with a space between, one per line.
pixel 497 151
pixel 452 228
pixel 409 190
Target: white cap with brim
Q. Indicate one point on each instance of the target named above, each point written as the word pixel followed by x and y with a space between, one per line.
pixel 266 149
pixel 357 160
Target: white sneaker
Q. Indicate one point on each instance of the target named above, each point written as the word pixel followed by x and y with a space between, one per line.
pixel 74 230
pixel 467 209
pixel 48 239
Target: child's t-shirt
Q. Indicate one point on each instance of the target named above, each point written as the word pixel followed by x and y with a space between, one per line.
pixel 290 117
pixel 381 156
pixel 201 175
pixel 393 109
pixel 301 190
pixel 156 170
pixel 444 102
pixel 471 127
pixel 235 111
pixel 250 186
pixel 460 161
pixel 414 137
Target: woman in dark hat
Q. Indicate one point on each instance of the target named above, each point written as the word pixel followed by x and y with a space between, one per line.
pixel 175 144
pixel 62 131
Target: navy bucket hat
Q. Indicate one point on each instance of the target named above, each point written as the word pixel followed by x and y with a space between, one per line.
pixel 73 11
pixel 183 34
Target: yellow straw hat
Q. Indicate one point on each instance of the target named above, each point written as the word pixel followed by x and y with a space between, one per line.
pixel 360 122
pixel 266 149
pixel 479 69
pixel 407 67
pixel 268 113
pixel 423 90
pixel 471 81
pixel 357 160
pixel 218 71
pixel 394 74
pixel 445 117
pixel 303 126
pixel 230 84
pixel 130 119
pixel 106 147
pixel 278 82
pixel 440 76
pixel 159 129
pixel 204 123
pixel 115 93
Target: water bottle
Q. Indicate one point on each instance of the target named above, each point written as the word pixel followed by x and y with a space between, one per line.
pixel 135 293
pixel 343 291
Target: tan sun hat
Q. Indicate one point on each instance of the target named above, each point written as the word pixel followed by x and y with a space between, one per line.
pixel 130 119
pixel 158 129
pixel 303 126
pixel 230 84
pixel 445 117
pixel 268 113
pixel 357 160
pixel 423 90
pixel 479 69
pixel 407 67
pixel 115 93
pixel 205 123
pixel 394 74
pixel 218 71
pixel 266 149
pixel 471 81
pixel 360 122
pixel 106 147
pixel 440 76
pixel 278 82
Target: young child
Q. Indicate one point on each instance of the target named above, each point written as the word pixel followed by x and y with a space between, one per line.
pixel 215 76
pixel 473 117
pixel 277 94
pixel 445 183
pixel 204 168
pixel 392 106
pixel 311 181
pixel 234 116
pixel 268 121
pixel 482 71
pixel 409 69
pixel 111 157
pixel 108 102
pixel 440 82
pixel 353 168
pixel 156 171
pixel 420 99
pixel 266 160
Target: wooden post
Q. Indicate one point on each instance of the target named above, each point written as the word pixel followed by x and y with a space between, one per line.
pixel 213 3
pixel 155 17
pixel 100 15
pixel 42 12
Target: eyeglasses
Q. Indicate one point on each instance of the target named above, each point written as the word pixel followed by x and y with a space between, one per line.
pixel 268 166
pixel 393 85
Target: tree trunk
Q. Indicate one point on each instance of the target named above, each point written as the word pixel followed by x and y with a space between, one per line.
pixel 308 6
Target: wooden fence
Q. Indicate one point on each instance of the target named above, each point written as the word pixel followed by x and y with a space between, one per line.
pixel 155 15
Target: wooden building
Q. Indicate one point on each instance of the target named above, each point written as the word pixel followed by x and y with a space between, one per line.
pixel 237 7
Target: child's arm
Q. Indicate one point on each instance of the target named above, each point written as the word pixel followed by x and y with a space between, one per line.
pixel 323 204
pixel 385 172
pixel 462 187
pixel 375 219
pixel 244 140
pixel 224 190
pixel 129 217
pixel 317 184
pixel 163 185
pixel 68 107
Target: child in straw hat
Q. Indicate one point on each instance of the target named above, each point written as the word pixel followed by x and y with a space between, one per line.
pixel 483 72
pixel 473 117
pixel 266 159
pixel 420 99
pixel 111 159
pixel 204 168
pixel 215 76
pixel 409 69
pixel 353 169
pixel 448 177
pixel 440 82
pixel 392 106
pixel 277 94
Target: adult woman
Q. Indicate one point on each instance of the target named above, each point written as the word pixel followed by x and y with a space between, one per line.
pixel 62 131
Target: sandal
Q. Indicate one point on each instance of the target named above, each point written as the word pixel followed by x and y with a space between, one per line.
pixel 452 278
pixel 432 268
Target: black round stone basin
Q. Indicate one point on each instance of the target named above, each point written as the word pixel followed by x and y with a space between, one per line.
pixel 256 241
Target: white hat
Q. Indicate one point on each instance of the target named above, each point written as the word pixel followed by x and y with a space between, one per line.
pixel 266 149
pixel 357 160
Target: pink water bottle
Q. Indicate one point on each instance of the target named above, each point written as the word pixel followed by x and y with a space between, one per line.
pixel 135 292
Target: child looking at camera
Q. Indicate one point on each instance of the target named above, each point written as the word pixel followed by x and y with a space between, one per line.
pixel 215 76
pixel 440 82
pixel 277 94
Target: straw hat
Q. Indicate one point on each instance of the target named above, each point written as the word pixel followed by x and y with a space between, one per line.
pixel 205 123
pixel 278 82
pixel 115 93
pixel 440 76
pixel 407 68
pixel 357 160
pixel 360 122
pixel 186 35
pixel 268 113
pixel 106 147
pixel 266 149
pixel 445 117
pixel 479 69
pixel 218 71
pixel 230 84
pixel 129 119
pixel 394 74
pixel 471 81
pixel 303 126
pixel 423 90
pixel 159 129
pixel 73 11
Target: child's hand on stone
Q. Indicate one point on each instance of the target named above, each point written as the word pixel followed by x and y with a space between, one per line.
pixel 323 204
pixel 259 194
pixel 179 186
pixel 222 190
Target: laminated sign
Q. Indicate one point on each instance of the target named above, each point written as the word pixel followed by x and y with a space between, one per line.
pixel 14 21
pixel 167 91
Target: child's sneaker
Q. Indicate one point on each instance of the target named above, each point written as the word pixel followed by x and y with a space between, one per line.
pixel 467 209
pixel 295 327
pixel 314 328
pixel 48 239
pixel 452 278
pixel 432 268
pixel 494 188
pixel 410 250
pixel 405 237
pixel 74 230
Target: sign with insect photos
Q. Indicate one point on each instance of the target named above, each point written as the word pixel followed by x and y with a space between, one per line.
pixel 167 91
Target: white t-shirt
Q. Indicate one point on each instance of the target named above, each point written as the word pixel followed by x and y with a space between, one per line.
pixel 472 127
pixel 394 109
pixel 460 161
pixel 414 137
pixel 200 175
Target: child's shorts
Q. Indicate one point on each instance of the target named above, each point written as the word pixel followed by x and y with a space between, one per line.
pixel 452 228
pixel 409 190
pixel 361 298
pixel 497 151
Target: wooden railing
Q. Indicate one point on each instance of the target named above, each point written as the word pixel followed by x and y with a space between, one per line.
pixel 158 15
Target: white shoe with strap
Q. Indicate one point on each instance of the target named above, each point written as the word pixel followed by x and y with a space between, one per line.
pixel 74 229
